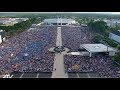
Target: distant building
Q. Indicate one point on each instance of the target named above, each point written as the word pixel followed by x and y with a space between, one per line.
pixel 33 25
pixel 115 35
pixel 96 20
pixel 112 22
pixel 11 21
pixel 59 21
pixel 84 25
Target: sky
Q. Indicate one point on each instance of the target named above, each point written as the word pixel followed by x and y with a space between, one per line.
pixel 69 12
pixel 101 12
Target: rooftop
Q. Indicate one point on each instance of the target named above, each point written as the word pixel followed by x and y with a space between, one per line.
pixel 56 20
pixel 97 48
pixel 116 32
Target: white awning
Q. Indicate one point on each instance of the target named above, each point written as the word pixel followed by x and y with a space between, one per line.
pixel 75 53
pixel 97 48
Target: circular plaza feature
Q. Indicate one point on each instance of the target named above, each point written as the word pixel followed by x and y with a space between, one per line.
pixel 59 49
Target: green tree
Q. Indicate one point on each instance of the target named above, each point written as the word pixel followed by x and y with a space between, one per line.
pixel 19 27
pixel 109 42
pixel 118 48
pixel 97 38
pixel 117 57
pixel 98 26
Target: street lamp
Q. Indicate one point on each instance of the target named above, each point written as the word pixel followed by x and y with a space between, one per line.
pixel 2 36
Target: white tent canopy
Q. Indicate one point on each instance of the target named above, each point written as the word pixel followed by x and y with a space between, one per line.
pixel 93 48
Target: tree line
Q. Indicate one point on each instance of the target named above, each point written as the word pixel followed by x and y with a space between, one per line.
pixel 102 32
pixel 19 27
pixel 102 36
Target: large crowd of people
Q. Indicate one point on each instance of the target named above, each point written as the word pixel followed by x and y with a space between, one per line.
pixel 28 51
pixel 100 63
pixel 72 37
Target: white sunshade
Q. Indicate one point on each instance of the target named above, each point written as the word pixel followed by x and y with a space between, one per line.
pixel 97 48
pixel 75 53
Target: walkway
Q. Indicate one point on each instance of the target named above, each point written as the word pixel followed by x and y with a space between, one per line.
pixel 58 69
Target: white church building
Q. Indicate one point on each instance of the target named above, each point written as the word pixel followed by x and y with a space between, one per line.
pixel 59 21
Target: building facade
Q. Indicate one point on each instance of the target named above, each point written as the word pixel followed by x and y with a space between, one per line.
pixel 59 21
pixel 112 22
pixel 115 36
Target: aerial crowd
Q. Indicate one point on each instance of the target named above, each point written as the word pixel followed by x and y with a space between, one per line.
pixel 100 63
pixel 28 51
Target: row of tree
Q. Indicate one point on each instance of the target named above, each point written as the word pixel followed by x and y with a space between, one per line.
pixel 117 56
pixel 98 26
pixel 102 36
pixel 103 39
pixel 102 32
pixel 19 27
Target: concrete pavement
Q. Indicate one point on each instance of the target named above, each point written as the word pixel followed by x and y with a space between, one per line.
pixel 58 68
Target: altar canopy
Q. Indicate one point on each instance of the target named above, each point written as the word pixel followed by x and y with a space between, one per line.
pixel 94 48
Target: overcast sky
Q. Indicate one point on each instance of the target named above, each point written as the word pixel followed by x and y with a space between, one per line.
pixel 68 12
pixel 101 12
pixel 87 12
